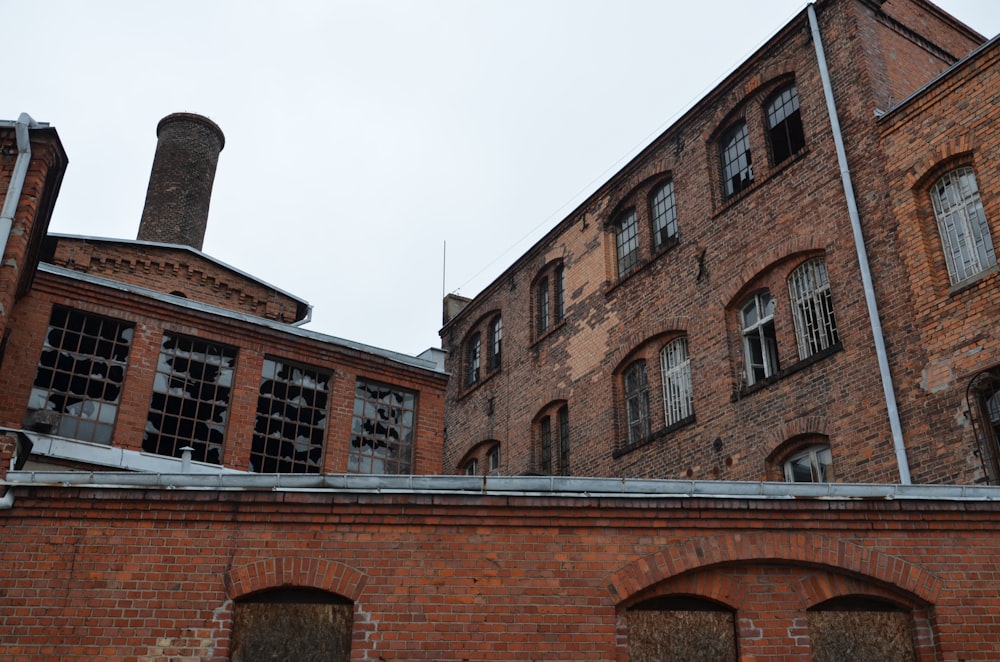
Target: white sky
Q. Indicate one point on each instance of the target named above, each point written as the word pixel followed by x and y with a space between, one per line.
pixel 361 135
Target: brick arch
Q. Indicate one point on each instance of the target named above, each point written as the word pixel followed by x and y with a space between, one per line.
pixel 762 261
pixel 937 160
pixel 736 101
pixel 815 590
pixel 626 187
pixel 643 332
pixel 796 548
pixel 308 572
pixel 798 427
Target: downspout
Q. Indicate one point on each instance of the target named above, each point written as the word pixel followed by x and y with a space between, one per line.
pixel 16 179
pixel 859 244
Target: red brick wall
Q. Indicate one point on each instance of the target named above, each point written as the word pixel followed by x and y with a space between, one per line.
pixel 144 575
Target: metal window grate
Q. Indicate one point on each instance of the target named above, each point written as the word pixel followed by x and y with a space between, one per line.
pixel 290 427
pixel 664 214
pixel 382 429
pixel 965 234
pixel 80 374
pixel 190 402
pixel 678 399
pixel 815 323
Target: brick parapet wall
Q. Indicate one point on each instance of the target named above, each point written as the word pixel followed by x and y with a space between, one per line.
pixel 120 574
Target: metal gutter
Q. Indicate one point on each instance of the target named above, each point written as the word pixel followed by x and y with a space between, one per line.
pixel 511 486
pixel 859 243
pixel 18 175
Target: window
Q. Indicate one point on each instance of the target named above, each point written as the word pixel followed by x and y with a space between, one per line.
pixel 678 398
pixel 636 402
pixel 545 445
pixel 983 399
pixel 682 628
pixel 292 624
pixel 382 429
pixel 812 465
pixel 563 418
pixel 495 347
pixel 737 166
pixel 190 402
pixel 472 350
pixel 560 294
pixel 815 325
pixel 553 440
pixel 291 419
pixel 858 627
pixel 784 125
pixel 493 459
pixel 759 342
pixel 627 242
pixel 965 234
pixel 543 305
pixel 81 371
pixel 472 468
pixel 664 216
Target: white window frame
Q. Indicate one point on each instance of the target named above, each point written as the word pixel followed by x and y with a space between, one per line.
pixel 758 332
pixel 965 233
pixel 819 460
pixel 635 386
pixel 675 366
pixel 812 308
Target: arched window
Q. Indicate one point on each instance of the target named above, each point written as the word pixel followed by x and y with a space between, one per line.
pixel 292 624
pixel 559 289
pixel 552 426
pixel 737 165
pixel 678 398
pixel 636 389
pixel 965 234
pixel 784 124
pixel 495 348
pixel 543 305
pixel 809 465
pixel 815 325
pixel 663 214
pixel 627 242
pixel 473 351
pixel 760 344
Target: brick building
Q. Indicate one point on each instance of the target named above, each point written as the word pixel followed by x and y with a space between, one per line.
pixel 708 311
pixel 191 475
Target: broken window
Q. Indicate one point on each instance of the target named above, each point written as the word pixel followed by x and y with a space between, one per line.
pixel 190 403
pixel 382 429
pixel 737 166
pixel 290 427
pixel 760 345
pixel 472 352
pixel 678 398
pixel 305 625
pixel 815 325
pixel 681 629
pixel 784 124
pixel 664 215
pixel 627 242
pixel 860 629
pixel 811 465
pixel 495 352
pixel 78 385
pixel 636 402
pixel 965 234
pixel 543 305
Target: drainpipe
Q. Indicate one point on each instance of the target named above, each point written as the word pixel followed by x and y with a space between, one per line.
pixel 859 244
pixel 16 179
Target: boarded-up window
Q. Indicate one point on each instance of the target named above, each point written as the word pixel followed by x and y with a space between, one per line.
pixel 681 630
pixel 860 630
pixel 297 624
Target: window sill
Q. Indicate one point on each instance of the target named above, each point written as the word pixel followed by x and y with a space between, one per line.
pixel 775 170
pixel 973 281
pixel 659 434
pixel 549 331
pixel 643 265
pixel 469 389
pixel 740 393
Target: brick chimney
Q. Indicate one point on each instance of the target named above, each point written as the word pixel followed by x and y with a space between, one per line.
pixel 180 184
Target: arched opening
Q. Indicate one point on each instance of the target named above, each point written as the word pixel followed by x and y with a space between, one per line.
pixel 681 628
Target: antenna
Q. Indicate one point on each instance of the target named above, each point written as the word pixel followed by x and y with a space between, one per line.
pixel 444 265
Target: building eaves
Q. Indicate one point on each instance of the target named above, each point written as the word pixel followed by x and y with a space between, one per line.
pixel 397 357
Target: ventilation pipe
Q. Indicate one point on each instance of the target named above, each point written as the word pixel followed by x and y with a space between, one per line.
pixel 20 172
pixel 859 244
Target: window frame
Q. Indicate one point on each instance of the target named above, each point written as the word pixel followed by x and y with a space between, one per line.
pixel 963 237
pixel 666 218
pixel 494 347
pixel 405 443
pixel 736 159
pixel 819 472
pixel 678 394
pixel 789 125
pixel 473 354
pixel 762 331
pixel 626 230
pixel 813 313
pixel 635 389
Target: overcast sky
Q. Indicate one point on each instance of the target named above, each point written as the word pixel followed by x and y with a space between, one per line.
pixel 362 135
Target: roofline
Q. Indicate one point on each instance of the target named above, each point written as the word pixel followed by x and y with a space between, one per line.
pixel 509 486
pixel 169 299
pixel 303 304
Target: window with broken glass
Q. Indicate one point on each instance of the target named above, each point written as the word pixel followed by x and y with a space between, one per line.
pixel 78 384
pixel 190 403
pixel 965 234
pixel 664 216
pixel 290 427
pixel 626 242
pixel 636 388
pixel 812 303
pixel 382 429
pixel 760 345
pixel 784 124
pixel 811 465
pixel 737 166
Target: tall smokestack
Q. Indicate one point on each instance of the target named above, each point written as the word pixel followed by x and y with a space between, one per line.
pixel 180 184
